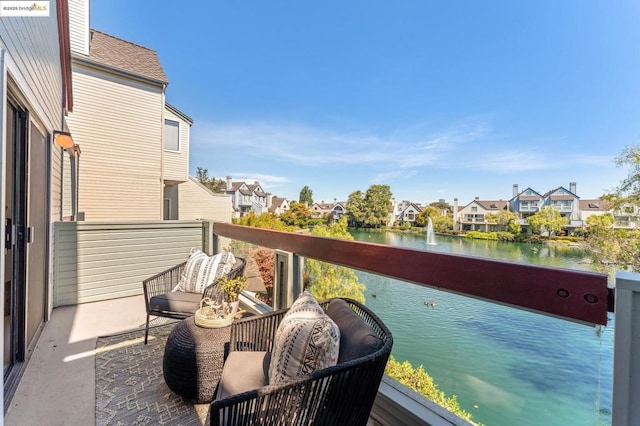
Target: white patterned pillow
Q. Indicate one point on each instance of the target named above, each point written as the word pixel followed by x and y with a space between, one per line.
pixel 306 340
pixel 202 270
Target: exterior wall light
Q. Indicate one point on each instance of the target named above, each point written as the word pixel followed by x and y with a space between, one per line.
pixel 63 140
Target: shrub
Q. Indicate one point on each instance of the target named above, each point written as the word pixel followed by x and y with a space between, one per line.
pixel 421 382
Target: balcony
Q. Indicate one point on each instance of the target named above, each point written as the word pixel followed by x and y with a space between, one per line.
pixel 67 346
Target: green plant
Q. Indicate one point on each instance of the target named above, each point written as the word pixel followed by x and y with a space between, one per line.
pixel 232 287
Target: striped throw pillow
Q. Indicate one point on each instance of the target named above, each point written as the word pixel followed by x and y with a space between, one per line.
pixel 202 270
pixel 306 340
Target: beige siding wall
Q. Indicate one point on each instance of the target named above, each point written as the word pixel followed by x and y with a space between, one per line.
pixel 197 202
pixel 33 62
pixel 117 123
pixel 99 261
pixel 79 26
pixel 176 164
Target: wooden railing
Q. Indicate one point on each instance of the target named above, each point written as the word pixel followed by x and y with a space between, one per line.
pixel 574 295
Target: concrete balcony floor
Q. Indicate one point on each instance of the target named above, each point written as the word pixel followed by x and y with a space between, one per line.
pixel 58 386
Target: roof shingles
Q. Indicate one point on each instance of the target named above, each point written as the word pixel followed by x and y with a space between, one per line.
pixel 126 56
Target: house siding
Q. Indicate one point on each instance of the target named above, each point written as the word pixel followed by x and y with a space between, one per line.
pixel 100 261
pixel 197 202
pixel 79 31
pixel 117 123
pixel 33 61
pixel 176 164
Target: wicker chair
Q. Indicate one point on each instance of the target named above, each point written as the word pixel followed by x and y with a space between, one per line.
pixel 339 395
pixel 160 301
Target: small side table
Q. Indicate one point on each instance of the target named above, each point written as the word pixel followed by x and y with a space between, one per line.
pixel 193 360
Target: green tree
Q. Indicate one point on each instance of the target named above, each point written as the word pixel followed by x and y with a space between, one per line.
pixel 548 219
pixel 378 205
pixel 326 280
pixel 442 223
pixel 297 215
pixel 265 220
pixel 217 186
pixel 598 221
pixel 506 221
pixel 422 218
pixel 306 196
pixel 356 208
pixel 619 248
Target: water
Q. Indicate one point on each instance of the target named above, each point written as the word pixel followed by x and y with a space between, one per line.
pixel 507 366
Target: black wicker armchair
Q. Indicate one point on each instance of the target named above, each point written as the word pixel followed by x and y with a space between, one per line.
pixel 338 395
pixel 161 301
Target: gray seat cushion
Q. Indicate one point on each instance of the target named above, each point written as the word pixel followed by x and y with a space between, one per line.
pixel 244 371
pixel 176 301
pixel 357 338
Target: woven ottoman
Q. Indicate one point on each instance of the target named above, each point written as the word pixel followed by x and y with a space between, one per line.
pixel 193 360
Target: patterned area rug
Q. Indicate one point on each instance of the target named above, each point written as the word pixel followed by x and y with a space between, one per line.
pixel 130 387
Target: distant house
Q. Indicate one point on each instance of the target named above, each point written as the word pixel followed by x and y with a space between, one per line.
pixel 409 213
pixel 321 209
pixel 278 205
pixel 567 203
pixel 625 216
pixel 473 216
pixel 247 197
pixel 526 203
pixel 339 209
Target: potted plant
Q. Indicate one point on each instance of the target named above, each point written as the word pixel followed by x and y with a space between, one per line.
pixel 231 289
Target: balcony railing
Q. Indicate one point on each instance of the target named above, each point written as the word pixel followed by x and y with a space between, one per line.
pixel 573 295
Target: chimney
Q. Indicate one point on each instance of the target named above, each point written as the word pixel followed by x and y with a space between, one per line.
pixel 269 200
pixel 477 198
pixel 228 183
pixel 515 190
pixel 256 182
pixel 572 187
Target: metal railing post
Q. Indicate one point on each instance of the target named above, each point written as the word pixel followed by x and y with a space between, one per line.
pixel 287 282
pixel 626 350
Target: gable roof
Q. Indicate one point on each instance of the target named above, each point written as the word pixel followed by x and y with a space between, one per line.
pixel 125 56
pixel 522 197
pixel 493 205
pixel 565 194
pixel 594 205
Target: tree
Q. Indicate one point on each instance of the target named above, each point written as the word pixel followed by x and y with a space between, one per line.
pixel 306 196
pixel 506 221
pixel 326 280
pixel 377 205
pixel 217 186
pixel 356 208
pixel 422 218
pixel 613 247
pixel 548 219
pixel 297 215
pixel 599 221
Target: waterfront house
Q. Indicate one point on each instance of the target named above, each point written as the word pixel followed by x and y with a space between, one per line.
pixel 409 213
pixel 566 202
pixel 525 203
pixel 321 209
pixel 338 210
pixel 247 197
pixel 473 216
pixel 278 205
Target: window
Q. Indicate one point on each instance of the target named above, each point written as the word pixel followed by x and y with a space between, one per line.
pixel 474 209
pixel 171 135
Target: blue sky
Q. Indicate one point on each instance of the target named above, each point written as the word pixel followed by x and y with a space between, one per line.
pixel 435 99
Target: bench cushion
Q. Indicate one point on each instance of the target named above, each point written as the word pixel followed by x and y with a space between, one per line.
pixel 175 301
pixel 243 371
pixel 357 338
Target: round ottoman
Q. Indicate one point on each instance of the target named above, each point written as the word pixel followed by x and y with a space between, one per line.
pixel 193 360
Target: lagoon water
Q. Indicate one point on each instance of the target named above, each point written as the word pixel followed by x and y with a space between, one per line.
pixel 506 366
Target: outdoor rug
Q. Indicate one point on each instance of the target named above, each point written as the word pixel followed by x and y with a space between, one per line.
pixel 130 387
